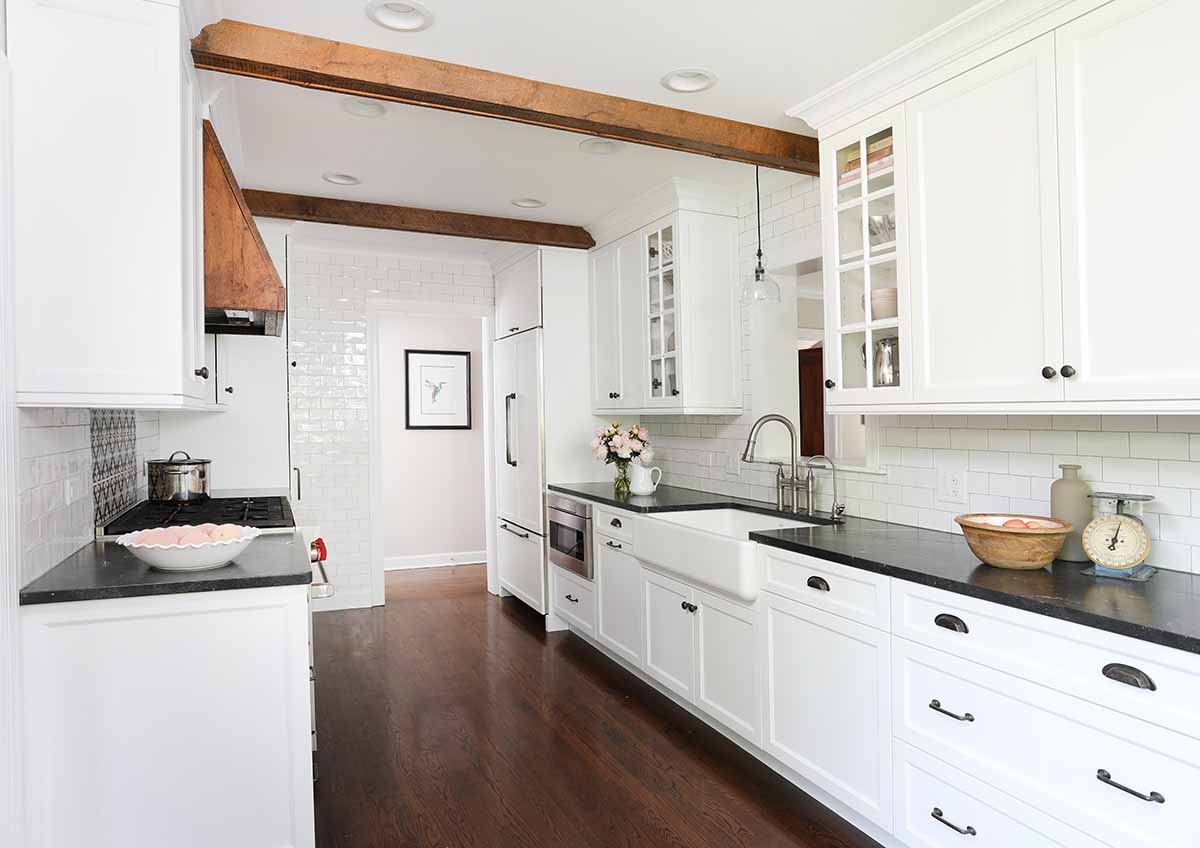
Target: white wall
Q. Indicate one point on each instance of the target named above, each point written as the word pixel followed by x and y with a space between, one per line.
pixel 432 480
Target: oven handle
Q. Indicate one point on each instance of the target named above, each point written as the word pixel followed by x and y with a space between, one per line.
pixel 316 555
pixel 508 405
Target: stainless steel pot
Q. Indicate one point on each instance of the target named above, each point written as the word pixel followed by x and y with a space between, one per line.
pixel 176 480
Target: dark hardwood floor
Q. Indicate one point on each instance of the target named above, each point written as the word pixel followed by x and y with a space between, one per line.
pixel 449 718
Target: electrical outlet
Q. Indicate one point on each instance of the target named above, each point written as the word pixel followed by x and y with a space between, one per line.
pixel 951 490
pixel 950 487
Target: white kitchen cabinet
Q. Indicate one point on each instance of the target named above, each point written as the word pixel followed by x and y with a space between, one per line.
pixel 519 295
pixel 828 703
pixel 865 211
pixel 108 200
pixel 197 704
pixel 618 598
pixel 1129 298
pixel 728 649
pixel 521 564
pixel 520 480
pixel 983 193
pixel 574 600
pixel 666 317
pixel 670 644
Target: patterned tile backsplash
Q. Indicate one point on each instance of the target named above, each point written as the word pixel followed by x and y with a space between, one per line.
pixel 77 465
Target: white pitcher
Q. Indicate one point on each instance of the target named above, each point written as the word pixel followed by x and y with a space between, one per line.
pixel 642 480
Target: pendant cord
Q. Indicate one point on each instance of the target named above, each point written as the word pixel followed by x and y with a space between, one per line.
pixel 758 213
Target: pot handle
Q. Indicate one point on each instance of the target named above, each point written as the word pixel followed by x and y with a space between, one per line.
pixel 186 455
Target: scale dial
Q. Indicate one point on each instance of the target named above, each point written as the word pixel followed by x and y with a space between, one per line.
pixel 1116 541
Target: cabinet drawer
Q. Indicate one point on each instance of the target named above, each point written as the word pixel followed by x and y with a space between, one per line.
pixel 1065 656
pixel 850 592
pixel 603 540
pixel 936 802
pixel 522 564
pixel 614 523
pixel 574 600
pixel 1056 752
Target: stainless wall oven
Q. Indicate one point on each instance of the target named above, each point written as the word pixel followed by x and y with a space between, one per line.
pixel 570 535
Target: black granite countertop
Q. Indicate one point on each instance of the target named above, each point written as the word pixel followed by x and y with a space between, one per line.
pixel 1164 610
pixel 107 570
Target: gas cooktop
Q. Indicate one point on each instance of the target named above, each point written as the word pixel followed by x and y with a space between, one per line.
pixel 264 513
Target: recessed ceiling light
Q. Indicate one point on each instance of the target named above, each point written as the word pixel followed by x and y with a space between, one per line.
pixel 688 80
pixel 404 17
pixel 375 291
pixel 340 179
pixel 600 146
pixel 528 202
pixel 360 107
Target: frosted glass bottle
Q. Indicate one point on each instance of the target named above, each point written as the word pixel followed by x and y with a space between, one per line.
pixel 1070 501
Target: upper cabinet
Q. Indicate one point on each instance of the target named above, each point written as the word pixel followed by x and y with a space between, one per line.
pixel 108 200
pixel 666 319
pixel 1008 244
pixel 519 295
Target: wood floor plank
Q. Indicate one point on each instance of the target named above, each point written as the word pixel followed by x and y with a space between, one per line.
pixel 450 718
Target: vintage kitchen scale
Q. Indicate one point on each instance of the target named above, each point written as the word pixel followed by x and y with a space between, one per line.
pixel 1116 540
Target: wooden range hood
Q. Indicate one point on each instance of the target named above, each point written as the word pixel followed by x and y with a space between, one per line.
pixel 242 290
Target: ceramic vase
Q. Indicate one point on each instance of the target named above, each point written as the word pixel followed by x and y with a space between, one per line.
pixel 1070 500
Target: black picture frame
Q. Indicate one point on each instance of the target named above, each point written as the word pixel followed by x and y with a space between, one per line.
pixel 408 394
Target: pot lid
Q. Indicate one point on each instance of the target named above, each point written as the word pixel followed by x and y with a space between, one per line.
pixel 171 460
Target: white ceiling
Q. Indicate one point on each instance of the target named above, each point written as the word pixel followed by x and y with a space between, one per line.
pixel 768 55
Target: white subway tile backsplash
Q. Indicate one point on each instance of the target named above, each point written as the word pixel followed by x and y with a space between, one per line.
pixel 1159 445
pixel 1031 464
pixel 1133 471
pixel 1177 528
pixel 1129 423
pixel 1050 441
pixel 990 461
pixel 967 439
pixel 1104 444
pixel 1009 485
pixel 1076 422
pixel 1008 440
pixel 916 457
pixel 1179 423
pixel 1180 474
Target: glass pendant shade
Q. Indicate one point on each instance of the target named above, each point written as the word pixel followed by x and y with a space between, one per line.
pixel 760 288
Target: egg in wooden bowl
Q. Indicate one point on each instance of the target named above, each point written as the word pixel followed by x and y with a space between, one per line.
pixel 1021 542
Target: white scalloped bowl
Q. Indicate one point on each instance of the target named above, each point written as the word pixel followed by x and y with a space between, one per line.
pixel 193 557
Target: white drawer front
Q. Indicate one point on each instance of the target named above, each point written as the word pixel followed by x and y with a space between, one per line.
pixel 936 802
pixel 1049 748
pixel 850 592
pixel 613 522
pixel 1065 656
pixel 522 564
pixel 617 543
pixel 574 601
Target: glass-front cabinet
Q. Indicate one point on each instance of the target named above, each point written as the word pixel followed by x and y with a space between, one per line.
pixel 661 292
pixel 866 291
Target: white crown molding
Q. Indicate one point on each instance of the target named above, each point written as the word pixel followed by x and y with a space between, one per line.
pixel 970 38
pixel 663 199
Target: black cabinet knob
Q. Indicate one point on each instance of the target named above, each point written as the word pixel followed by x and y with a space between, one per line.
pixel 202 373
pixel 229 390
pixel 656 383
pixel 1068 371
pixel 674 392
pixel 1049 373
pixel 829 384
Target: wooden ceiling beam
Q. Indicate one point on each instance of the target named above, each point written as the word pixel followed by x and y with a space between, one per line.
pixel 244 49
pixel 381 216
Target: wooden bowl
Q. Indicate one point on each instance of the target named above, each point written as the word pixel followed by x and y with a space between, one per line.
pixel 1022 548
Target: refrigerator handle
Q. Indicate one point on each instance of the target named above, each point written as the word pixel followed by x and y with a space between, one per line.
pixel 508 405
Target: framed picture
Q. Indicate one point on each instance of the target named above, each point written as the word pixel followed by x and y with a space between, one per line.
pixel 439 390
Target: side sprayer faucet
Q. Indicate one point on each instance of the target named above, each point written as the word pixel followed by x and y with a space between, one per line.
pixel 835 509
pixel 792 482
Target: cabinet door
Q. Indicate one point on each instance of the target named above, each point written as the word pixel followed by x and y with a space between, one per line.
pixel 659 300
pixel 526 435
pixel 606 328
pixel 1128 190
pixel 195 384
pixel 634 366
pixel 828 710
pixel 618 610
pixel 728 649
pixel 504 377
pixel 984 233
pixel 866 254
pixel 521 564
pixel 670 633
pixel 519 296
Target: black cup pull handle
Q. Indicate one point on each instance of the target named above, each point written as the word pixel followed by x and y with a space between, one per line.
pixel 936 706
pixel 941 817
pixel 951 622
pixel 1129 675
pixel 1104 777
pixel 616 522
pixel 818 583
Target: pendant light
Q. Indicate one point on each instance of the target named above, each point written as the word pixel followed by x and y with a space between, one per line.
pixel 760 288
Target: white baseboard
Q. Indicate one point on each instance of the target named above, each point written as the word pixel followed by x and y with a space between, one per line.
pixel 399 563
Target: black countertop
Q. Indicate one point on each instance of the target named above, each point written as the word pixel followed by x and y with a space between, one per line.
pixel 1164 609
pixel 107 570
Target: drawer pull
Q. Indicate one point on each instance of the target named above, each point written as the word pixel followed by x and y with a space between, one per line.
pixel 616 522
pixel 951 622
pixel 1129 675
pixel 940 816
pixel 686 607
pixel 818 583
pixel 571 598
pixel 936 706
pixel 514 532
pixel 1104 777
pixel 613 545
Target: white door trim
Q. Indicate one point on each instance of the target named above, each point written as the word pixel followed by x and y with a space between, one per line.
pixel 11 762
pixel 486 316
